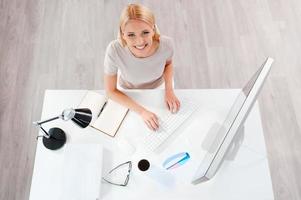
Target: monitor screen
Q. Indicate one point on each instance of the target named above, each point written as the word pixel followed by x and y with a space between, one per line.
pixel 232 124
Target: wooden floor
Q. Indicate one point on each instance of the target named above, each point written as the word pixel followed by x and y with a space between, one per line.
pixel 60 44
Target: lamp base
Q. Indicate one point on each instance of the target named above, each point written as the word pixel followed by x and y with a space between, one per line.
pixel 56 140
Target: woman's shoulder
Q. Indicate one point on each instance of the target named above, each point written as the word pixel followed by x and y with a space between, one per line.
pixel 114 46
pixel 166 41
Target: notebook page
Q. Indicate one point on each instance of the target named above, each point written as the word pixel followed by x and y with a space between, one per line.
pixel 111 118
pixel 94 101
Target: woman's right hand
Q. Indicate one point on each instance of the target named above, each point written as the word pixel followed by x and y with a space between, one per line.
pixel 150 119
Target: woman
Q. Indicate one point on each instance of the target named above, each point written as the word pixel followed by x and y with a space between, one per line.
pixel 144 60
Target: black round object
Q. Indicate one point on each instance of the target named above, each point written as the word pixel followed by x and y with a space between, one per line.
pixel 56 140
pixel 143 165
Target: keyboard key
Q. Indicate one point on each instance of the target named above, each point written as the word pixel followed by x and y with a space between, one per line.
pixel 169 123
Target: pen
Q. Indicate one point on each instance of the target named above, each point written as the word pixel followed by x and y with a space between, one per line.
pixel 104 105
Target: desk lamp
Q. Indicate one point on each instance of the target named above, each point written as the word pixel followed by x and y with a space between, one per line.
pixel 55 138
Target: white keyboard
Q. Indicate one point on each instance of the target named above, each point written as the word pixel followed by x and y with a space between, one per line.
pixel 168 125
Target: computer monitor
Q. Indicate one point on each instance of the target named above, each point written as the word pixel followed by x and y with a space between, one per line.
pixel 233 123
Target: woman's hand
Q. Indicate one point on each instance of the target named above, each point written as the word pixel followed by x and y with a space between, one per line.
pixel 172 102
pixel 150 119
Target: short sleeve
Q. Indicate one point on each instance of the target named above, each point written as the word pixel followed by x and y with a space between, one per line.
pixel 110 60
pixel 170 48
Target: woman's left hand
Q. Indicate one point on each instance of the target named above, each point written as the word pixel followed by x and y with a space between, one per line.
pixel 172 102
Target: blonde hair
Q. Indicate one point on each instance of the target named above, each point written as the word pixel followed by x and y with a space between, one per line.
pixel 139 12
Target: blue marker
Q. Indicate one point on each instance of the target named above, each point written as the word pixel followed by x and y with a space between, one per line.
pixel 176 160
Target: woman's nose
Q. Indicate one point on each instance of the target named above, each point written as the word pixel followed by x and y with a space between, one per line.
pixel 139 41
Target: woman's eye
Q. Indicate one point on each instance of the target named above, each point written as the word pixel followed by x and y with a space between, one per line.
pixel 131 35
pixel 145 32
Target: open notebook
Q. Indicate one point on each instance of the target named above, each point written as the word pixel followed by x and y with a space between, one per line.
pixel 107 115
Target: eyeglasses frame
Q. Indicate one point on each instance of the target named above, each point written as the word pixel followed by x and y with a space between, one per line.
pixel 127 177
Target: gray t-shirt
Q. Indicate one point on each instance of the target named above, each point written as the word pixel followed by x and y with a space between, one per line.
pixel 138 73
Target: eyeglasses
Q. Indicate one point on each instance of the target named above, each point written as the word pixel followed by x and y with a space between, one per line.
pixel 119 175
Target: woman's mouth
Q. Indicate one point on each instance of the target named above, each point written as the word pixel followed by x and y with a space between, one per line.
pixel 140 47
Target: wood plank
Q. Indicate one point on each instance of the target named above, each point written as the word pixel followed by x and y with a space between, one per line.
pixel 218 44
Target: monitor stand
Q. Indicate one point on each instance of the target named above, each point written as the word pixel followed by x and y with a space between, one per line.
pixel 236 144
pixel 214 137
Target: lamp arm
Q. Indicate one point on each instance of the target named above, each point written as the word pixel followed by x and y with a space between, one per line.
pixel 45 132
pixel 48 120
pixel 45 121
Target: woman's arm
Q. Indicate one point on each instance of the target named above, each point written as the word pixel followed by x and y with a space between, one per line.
pixel 167 75
pixel 113 93
pixel 172 101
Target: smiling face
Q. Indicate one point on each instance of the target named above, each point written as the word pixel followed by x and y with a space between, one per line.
pixel 139 37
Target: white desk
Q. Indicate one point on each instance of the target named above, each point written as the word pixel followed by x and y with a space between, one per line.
pixel 245 177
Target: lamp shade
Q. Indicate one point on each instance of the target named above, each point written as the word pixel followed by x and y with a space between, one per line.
pixel 82 117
